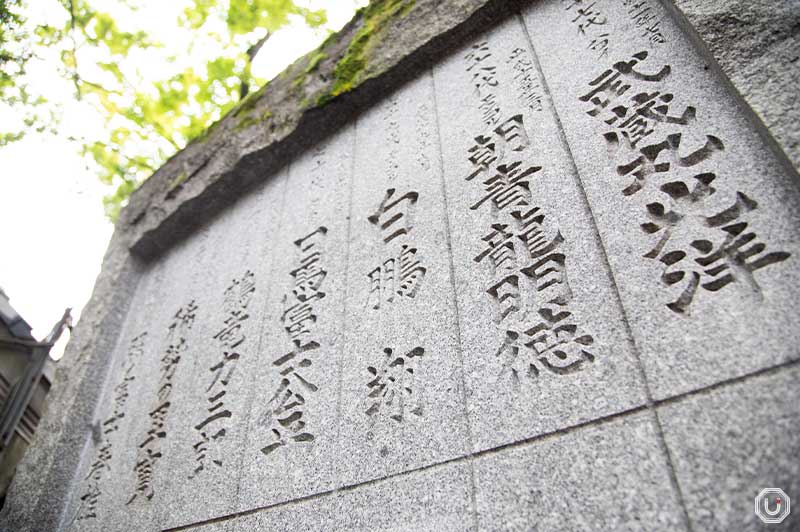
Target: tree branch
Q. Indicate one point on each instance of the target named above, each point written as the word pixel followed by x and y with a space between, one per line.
pixel 244 88
pixel 75 76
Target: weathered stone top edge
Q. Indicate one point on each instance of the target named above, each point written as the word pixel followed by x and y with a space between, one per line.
pixel 384 45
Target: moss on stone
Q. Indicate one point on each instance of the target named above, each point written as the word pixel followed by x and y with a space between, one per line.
pixel 253 119
pixel 348 72
pixel 328 40
pixel 311 66
pixel 206 133
pixel 314 62
pixel 250 102
pixel 176 182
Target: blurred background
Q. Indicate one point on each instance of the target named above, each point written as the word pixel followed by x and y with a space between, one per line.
pixel 95 95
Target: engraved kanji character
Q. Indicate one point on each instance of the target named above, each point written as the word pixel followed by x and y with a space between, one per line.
pixel 550 344
pixel 88 504
pixel 517 53
pixel 489 108
pixel 610 85
pixel 648 110
pixel 646 164
pixel 382 283
pixel 223 370
pixel 402 276
pixel 111 424
pixel 478 53
pixel 297 320
pixel 506 297
pixel 588 16
pixel 393 218
pixel 238 295
pixel 101 462
pixel 144 474
pixel 231 335
pixel 653 33
pixel 736 258
pixel 686 203
pixel 411 272
pixel 286 405
pixel 600 44
pixel 499 248
pixel 484 77
pixel 392 385
pixel 290 368
pixel 554 342
pixel 183 320
pixel 308 277
pixel 169 365
pixel 137 346
pixel 292 422
pixel 643 15
pixel 512 133
pixel 547 265
pixel 509 187
pixel 157 420
pixel 205 446
pixel 512 364
pixel 482 155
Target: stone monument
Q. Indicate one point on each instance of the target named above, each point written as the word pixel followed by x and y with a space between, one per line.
pixel 471 265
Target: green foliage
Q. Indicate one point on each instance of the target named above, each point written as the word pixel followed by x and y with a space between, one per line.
pixel 146 120
pixel 15 52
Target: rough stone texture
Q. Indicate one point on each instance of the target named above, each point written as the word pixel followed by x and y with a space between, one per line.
pixel 521 403
pixel 730 443
pixel 757 44
pixel 240 241
pixel 294 110
pixel 507 403
pixel 611 476
pixel 431 500
pixel 402 402
pixel 175 288
pixel 682 206
pixel 144 306
pixel 213 527
pixel 41 483
pixel 315 193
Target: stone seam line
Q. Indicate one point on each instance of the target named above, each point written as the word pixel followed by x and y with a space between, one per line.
pixel 742 379
pixel 447 231
pixel 609 273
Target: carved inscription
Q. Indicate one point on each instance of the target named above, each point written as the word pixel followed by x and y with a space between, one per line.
pixel 665 160
pixel 633 114
pixel 392 139
pixel 91 495
pixel 644 17
pixel 522 251
pixel 286 408
pixel 481 66
pixel 422 141
pixel 391 386
pixel 528 88
pixel 150 448
pixel 591 23
pixel 213 429
pixel 401 274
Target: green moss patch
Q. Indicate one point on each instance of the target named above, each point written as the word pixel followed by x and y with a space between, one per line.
pixel 348 72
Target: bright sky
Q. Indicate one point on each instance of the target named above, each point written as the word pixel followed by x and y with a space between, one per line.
pixel 54 232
